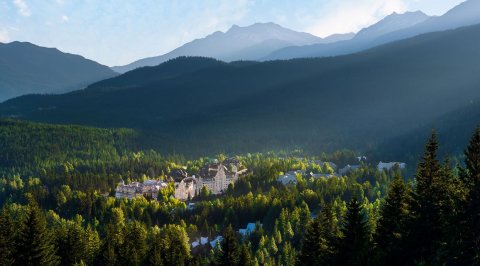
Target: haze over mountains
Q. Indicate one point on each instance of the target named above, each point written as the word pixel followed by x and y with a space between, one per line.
pixel 238 43
pixel 348 101
pixel 268 41
pixel 26 68
pixel 392 28
pixel 465 14
pixel 380 89
pixel 365 39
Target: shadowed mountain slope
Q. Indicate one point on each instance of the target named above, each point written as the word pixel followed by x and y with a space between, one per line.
pixel 26 68
pixel 352 101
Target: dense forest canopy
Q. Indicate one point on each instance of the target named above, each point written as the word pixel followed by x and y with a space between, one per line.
pixel 59 207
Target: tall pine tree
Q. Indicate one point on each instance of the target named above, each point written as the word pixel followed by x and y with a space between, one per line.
pixel 312 244
pixel 7 244
pixel 134 246
pixel 318 243
pixel 426 224
pixel 245 256
pixel 391 231
pixel 35 244
pixel 229 249
pixel 355 244
pixel 469 252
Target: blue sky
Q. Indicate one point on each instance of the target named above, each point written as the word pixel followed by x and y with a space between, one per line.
pixel 117 32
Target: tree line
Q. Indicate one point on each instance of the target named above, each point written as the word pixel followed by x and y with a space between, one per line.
pixel 369 217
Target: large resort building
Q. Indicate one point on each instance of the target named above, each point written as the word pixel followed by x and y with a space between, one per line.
pixel 216 177
pixel 149 188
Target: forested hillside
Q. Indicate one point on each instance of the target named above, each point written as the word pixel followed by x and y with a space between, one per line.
pixel 454 131
pixel 65 213
pixel 202 106
pixel 27 147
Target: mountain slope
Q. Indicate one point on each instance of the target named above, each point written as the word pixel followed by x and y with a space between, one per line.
pixel 351 101
pixel 465 14
pixel 454 130
pixel 365 39
pixel 26 68
pixel 238 43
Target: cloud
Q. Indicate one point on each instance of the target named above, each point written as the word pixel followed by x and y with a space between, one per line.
pixel 65 18
pixel 353 15
pixel 22 8
pixel 4 35
pixel 60 2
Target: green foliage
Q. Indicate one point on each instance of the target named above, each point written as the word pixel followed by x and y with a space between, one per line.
pixel 230 252
pixel 134 246
pixel 426 224
pixel 24 143
pixel 245 258
pixel 468 223
pixel 35 245
pixel 355 244
pixel 7 243
pixel 315 245
pixel 81 223
pixel 391 232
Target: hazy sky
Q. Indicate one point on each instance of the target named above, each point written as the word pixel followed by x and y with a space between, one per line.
pixel 116 32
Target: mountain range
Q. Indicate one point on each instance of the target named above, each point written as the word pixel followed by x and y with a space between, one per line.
pixel 26 68
pixel 238 43
pixel 203 104
pixel 392 28
pixel 465 14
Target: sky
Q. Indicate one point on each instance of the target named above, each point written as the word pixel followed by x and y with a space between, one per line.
pixel 118 32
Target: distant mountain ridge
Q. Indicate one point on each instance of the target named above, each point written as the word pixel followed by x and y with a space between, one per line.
pixel 391 23
pixel 27 68
pixel 464 14
pixel 363 40
pixel 269 41
pixel 238 43
pixel 350 101
pixel 392 28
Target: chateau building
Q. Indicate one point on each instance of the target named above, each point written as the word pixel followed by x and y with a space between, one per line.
pixel 216 177
pixel 149 188
pixel 186 189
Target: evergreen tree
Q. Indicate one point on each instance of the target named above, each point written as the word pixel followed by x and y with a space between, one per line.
pixel 7 244
pixel 134 247
pixel 229 249
pixel 312 245
pixel 71 243
pixel 154 257
pixel 288 257
pixel 92 248
pixel 391 227
pixel 35 245
pixel 426 225
pixel 451 203
pixel 175 248
pixel 110 246
pixel 469 222
pixel 245 256
pixel 330 229
pixel 320 238
pixel 354 246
